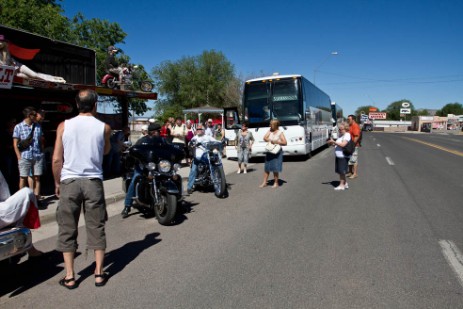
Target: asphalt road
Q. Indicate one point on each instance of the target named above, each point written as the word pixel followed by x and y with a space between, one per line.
pixel 393 240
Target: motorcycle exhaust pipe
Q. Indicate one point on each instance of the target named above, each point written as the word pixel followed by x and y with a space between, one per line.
pixel 137 200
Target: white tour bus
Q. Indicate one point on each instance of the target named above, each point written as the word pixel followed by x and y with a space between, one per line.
pixel 306 114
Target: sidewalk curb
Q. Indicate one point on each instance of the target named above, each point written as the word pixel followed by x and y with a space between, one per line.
pixel 51 217
pixel 48 215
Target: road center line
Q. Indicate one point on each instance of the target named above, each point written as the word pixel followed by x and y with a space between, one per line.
pixel 453 257
pixel 389 161
pixel 455 152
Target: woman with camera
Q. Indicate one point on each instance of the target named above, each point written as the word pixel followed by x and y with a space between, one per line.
pixel 341 161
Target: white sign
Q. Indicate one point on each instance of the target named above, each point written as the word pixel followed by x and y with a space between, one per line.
pixel 377 115
pixel 405 104
pixel 6 77
pixel 405 110
pixel 363 117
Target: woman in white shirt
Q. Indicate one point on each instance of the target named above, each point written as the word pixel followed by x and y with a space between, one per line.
pixel 341 163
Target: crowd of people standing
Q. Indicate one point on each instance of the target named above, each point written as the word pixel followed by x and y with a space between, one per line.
pixel 78 171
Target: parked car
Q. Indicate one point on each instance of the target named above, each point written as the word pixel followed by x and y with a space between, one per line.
pixel 14 241
pixel 367 127
pixel 426 127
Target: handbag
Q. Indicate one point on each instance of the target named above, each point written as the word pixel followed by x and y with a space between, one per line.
pixel 349 149
pixel 272 148
pixel 25 143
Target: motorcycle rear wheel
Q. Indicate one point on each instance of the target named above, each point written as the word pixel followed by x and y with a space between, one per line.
pixel 166 210
pixel 220 184
pixel 146 86
pixel 111 83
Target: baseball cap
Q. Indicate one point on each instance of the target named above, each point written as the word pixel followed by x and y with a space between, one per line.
pixel 154 127
pixel 112 48
pixel 209 120
pixel 144 127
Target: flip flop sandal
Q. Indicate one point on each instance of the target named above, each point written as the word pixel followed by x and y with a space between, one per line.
pixel 64 282
pixel 104 276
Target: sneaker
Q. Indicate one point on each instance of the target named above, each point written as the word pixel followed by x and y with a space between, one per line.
pixel 125 212
pixel 339 188
pixel 239 171
pixel 346 186
pixel 190 191
pixel 245 171
pixel 352 176
pixel 349 174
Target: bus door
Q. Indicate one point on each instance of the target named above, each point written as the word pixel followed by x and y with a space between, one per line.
pixel 232 126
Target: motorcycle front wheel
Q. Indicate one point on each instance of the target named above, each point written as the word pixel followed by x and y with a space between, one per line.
pixel 220 184
pixel 146 86
pixel 165 210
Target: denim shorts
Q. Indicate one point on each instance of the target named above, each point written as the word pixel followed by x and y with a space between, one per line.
pixel 243 155
pixel 26 166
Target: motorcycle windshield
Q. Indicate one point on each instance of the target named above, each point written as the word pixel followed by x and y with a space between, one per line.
pixel 155 149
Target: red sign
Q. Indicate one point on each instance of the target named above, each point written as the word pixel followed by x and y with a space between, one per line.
pixel 377 115
pixel 373 109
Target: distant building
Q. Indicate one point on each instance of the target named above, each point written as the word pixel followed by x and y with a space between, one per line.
pixel 428 123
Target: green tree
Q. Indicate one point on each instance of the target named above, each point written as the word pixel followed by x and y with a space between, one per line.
pixel 207 79
pixel 37 16
pixel 450 108
pixel 393 109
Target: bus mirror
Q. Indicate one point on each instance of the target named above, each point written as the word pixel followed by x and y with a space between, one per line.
pixel 308 115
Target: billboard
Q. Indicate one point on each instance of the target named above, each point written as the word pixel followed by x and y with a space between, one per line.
pixel 377 115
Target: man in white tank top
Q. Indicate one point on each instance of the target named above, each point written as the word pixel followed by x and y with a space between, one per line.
pixel 80 145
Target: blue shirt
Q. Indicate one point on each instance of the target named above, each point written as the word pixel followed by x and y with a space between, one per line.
pixel 21 131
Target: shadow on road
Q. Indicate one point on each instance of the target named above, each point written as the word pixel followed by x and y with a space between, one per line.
pixel 116 260
pixel 18 278
pixel 334 183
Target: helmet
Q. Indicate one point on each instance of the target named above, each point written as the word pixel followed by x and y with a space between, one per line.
pixel 111 48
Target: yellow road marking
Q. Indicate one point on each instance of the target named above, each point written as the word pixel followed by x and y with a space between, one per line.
pixel 455 152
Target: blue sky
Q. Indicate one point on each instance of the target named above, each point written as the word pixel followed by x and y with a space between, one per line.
pixel 387 50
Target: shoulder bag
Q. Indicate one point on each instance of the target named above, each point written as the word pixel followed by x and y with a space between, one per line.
pixel 349 149
pixel 25 143
pixel 272 148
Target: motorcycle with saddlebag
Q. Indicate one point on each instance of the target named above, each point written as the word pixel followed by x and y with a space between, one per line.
pixel 158 186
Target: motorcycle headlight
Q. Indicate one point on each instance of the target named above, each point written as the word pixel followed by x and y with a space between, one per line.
pixel 215 151
pixel 164 166
pixel 177 167
pixel 151 166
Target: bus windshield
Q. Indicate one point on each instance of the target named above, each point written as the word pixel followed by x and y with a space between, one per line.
pixel 278 99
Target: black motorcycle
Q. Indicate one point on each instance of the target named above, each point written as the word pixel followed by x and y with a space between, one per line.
pixel 210 171
pixel 158 188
